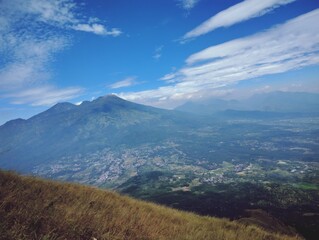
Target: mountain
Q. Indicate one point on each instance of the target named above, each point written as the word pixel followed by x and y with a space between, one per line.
pixel 283 102
pixel 208 106
pixel 31 208
pixel 69 131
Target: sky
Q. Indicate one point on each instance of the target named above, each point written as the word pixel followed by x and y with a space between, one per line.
pixel 155 52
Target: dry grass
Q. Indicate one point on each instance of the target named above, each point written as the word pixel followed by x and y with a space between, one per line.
pixel 31 208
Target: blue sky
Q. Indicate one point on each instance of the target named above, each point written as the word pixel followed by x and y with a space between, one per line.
pixel 156 52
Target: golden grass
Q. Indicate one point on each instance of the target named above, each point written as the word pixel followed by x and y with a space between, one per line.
pixel 31 208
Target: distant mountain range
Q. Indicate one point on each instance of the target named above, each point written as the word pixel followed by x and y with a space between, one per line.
pixel 110 122
pixel 283 102
pixel 66 129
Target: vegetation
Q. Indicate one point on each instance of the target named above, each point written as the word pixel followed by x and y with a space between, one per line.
pixel 295 206
pixel 31 208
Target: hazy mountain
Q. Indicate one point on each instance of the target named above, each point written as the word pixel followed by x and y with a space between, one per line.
pixel 208 106
pixel 67 129
pixel 285 102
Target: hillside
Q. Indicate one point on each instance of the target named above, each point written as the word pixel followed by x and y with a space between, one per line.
pixel 31 208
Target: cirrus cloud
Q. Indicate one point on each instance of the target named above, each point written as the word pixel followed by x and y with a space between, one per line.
pixel 97 29
pixel 188 4
pixel 44 95
pixel 240 12
pixel 292 45
pixel 127 82
pixel 32 32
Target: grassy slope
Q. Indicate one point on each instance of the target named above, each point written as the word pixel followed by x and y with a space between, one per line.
pixel 31 208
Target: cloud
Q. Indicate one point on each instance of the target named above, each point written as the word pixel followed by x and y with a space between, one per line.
pixel 240 12
pixel 32 32
pixel 127 82
pixel 59 13
pixel 44 95
pixel 292 45
pixel 169 77
pixel 27 59
pixel 171 96
pixel 158 52
pixel 188 4
pixel 97 29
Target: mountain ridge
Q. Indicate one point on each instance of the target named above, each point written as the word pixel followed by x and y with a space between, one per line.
pixel 67 129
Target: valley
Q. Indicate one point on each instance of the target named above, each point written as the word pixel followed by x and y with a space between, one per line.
pixel 234 151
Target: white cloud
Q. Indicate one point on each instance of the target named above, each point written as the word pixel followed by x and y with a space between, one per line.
pixel 157 56
pixel 44 95
pixel 97 29
pixel 171 96
pixel 59 13
pixel 292 45
pixel 127 82
pixel 27 59
pixel 169 77
pixel 188 4
pixel 32 32
pixel 158 52
pixel 238 13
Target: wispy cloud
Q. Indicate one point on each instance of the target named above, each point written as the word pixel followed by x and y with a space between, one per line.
pixel 158 52
pixel 98 29
pixel 32 32
pixel 187 4
pixel 44 95
pixel 240 12
pixel 292 45
pixel 59 13
pixel 127 82
pixel 170 77
pixel 27 58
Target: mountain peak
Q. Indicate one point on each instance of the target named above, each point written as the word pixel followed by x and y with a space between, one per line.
pixel 61 107
pixel 109 97
pixel 112 95
pixel 14 122
pixel 111 102
pixel 57 108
